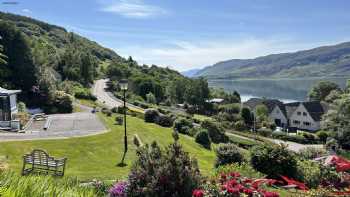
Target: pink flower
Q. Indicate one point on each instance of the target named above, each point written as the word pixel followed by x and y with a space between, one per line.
pixel 233 190
pixel 235 174
pixel 248 191
pixel 197 193
pixel 232 182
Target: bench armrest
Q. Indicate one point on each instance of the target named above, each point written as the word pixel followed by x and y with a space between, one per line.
pixel 27 156
pixel 61 160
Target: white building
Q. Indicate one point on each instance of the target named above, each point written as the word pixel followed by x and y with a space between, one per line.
pixel 299 115
pixel 8 109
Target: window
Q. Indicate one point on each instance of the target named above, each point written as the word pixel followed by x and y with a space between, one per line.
pixel 304 114
pixel 306 123
pixel 299 113
pixel 296 121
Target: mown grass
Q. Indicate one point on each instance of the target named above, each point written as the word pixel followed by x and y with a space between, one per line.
pixel 97 156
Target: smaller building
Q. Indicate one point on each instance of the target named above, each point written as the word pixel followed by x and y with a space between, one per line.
pixel 8 110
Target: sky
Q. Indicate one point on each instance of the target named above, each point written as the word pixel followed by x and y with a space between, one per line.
pixel 188 34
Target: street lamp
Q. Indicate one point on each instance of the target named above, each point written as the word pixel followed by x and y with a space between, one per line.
pixel 124 87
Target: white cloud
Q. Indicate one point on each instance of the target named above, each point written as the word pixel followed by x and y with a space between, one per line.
pixel 133 9
pixel 28 11
pixel 185 55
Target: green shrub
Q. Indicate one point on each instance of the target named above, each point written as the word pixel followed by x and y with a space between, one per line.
pixel 227 154
pixel 215 131
pixel 244 169
pixel 273 160
pixel 164 121
pixel 233 108
pixel 183 125
pixel 150 98
pixel 151 115
pixel 311 153
pixel 163 173
pixel 202 138
pixel 265 132
pixel 21 107
pixel 62 103
pixel 309 173
pixel 240 125
pixel 323 135
pixel 83 93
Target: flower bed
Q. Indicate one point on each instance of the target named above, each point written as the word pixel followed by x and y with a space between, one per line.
pixel 233 184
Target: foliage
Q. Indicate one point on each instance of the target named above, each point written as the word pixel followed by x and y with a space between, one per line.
pixel 164 120
pixel 323 135
pixel 243 168
pixel 227 154
pixel 247 116
pixel 309 173
pixel 232 184
pixel 202 137
pixel 240 125
pixel 119 189
pixel 62 103
pixel 265 132
pixel 163 173
pixel 150 98
pixel 320 91
pixel 2 56
pixel 337 119
pixel 309 153
pixel 23 186
pixel 21 107
pixel 215 131
pixel 261 112
pixel 273 160
pixel 183 125
pixel 234 108
pixel 151 115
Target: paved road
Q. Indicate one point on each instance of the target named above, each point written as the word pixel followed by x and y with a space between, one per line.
pixel 62 126
pixel 296 147
pixel 99 90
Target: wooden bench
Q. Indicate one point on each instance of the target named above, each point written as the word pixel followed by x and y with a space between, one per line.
pixel 39 161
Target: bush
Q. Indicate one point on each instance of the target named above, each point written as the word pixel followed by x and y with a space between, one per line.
pixel 265 132
pixel 151 115
pixel 240 125
pixel 274 160
pixel 164 121
pixel 183 125
pixel 323 135
pixel 227 154
pixel 62 103
pixel 83 93
pixel 234 108
pixel 21 107
pixel 150 98
pixel 163 173
pixel 202 138
pixel 309 153
pixel 215 131
pixel 309 173
pixel 243 168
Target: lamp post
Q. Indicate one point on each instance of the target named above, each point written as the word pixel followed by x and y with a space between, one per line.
pixel 124 87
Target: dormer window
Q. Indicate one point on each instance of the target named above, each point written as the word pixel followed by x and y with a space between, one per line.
pixel 304 114
pixel 299 113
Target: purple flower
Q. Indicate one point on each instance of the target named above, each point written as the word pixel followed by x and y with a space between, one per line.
pixel 118 189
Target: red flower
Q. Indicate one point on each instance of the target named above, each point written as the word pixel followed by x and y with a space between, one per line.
pixel 223 177
pixel 270 194
pixel 197 193
pixel 239 187
pixel 233 190
pixel 248 191
pixel 235 174
pixel 232 182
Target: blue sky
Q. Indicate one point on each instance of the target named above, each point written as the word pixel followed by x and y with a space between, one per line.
pixel 186 34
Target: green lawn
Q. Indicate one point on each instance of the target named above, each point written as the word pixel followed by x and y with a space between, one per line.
pixel 97 156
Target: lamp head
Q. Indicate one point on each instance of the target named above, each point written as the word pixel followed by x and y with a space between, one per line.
pixel 123 84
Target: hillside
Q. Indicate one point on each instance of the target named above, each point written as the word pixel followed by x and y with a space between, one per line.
pixel 190 73
pixel 50 58
pixel 327 61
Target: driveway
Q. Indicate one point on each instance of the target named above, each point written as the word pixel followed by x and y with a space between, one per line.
pixel 61 126
pixel 107 98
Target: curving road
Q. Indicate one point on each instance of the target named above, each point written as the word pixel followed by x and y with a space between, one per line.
pixel 107 98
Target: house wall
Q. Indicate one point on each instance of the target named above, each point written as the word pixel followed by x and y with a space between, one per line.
pixel 300 119
pixel 13 103
pixel 278 114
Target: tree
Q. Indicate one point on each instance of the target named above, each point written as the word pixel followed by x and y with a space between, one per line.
pixel 87 68
pixel 247 116
pixel 337 119
pixel 321 90
pixel 2 56
pixel 261 112
pixel 21 72
pixel 150 98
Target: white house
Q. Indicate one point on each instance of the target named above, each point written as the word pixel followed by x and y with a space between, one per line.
pixel 299 115
pixel 8 109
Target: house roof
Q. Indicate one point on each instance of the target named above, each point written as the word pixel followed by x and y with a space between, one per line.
pixel 316 109
pixel 269 103
pixel 5 92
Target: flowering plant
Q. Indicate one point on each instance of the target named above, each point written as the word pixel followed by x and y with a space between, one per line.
pixel 119 189
pixel 234 185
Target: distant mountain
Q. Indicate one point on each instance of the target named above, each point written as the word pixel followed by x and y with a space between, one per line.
pixel 326 61
pixel 190 73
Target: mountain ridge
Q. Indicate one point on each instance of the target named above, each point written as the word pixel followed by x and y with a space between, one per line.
pixel 330 61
